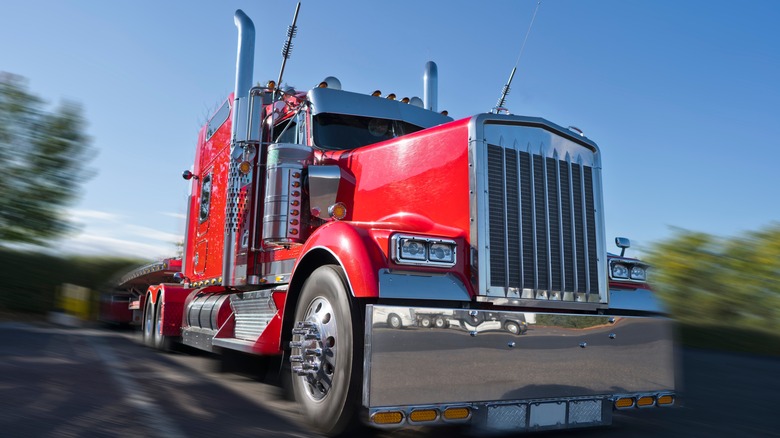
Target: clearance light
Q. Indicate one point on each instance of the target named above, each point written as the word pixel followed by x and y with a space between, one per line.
pixel 665 400
pixel 445 112
pixel 330 82
pixel 405 100
pixel 391 96
pixel 244 167
pixel 392 417
pixel 337 211
pixel 423 415
pixel 456 413
pixel 271 85
pixel 624 403
pixel 645 401
pixel 376 93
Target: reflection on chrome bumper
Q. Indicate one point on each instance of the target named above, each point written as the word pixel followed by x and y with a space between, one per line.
pixel 561 365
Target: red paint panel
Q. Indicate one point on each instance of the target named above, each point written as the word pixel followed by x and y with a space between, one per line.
pixel 207 238
pixel 357 252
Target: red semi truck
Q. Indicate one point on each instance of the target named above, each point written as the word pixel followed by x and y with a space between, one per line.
pixel 315 214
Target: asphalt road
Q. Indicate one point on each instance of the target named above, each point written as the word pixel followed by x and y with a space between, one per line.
pixel 67 382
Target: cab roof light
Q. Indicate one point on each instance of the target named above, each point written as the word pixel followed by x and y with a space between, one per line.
pixel 377 93
pixel 391 96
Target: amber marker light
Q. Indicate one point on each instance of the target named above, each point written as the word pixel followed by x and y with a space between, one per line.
pixel 323 84
pixel 665 400
pixel 625 402
pixel 392 417
pixel 244 167
pixel 405 100
pixel 337 211
pixel 271 85
pixel 645 401
pixel 453 414
pixel 376 93
pixel 423 415
pixel 391 96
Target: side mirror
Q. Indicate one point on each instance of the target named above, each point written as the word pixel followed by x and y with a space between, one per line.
pixel 622 243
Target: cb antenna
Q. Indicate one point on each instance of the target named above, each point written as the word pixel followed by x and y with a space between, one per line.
pixel 505 91
pixel 287 49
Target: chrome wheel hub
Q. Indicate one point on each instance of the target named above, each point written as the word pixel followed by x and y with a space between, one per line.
pixel 314 347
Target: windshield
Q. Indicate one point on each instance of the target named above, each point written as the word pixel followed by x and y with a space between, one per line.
pixel 340 132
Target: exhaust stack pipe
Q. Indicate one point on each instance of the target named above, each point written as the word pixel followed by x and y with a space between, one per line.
pixel 431 86
pixel 245 60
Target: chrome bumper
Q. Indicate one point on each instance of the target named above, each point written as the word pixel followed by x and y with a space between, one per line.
pixel 562 365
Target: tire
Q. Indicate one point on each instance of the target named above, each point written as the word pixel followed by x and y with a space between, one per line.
pixel 439 322
pixel 148 327
pixel 512 327
pixel 327 387
pixel 425 322
pixel 160 341
pixel 394 321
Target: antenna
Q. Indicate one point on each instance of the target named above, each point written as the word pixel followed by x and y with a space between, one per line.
pixel 287 49
pixel 505 91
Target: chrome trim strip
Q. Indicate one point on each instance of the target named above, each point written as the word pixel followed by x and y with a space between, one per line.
pixel 421 286
pixel 635 299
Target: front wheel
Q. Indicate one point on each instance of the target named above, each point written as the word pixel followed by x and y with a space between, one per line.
pixel 325 352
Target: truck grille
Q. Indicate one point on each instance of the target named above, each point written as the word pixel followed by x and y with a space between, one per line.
pixel 541 224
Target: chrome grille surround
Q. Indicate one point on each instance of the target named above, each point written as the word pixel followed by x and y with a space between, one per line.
pixel 537 235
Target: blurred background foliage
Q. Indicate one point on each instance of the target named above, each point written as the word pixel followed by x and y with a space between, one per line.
pixel 30 280
pixel 725 291
pixel 43 158
pixel 731 281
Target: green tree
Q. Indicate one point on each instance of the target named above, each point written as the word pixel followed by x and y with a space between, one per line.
pixel 42 163
pixel 726 281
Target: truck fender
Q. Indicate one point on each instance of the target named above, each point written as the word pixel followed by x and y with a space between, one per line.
pixel 336 243
pixel 171 297
pixel 349 246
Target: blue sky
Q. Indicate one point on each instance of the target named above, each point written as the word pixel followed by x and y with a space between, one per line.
pixel 681 96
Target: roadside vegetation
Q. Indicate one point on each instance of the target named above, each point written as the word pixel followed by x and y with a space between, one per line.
pixel 30 281
pixel 725 292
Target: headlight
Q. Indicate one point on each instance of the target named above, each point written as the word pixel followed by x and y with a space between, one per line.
pixel 441 252
pixel 638 273
pixel 414 250
pixel 619 271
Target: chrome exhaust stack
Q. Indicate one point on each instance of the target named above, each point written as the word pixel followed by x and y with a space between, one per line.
pixel 245 60
pixel 431 86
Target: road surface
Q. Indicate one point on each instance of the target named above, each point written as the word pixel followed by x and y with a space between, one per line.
pixel 74 382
